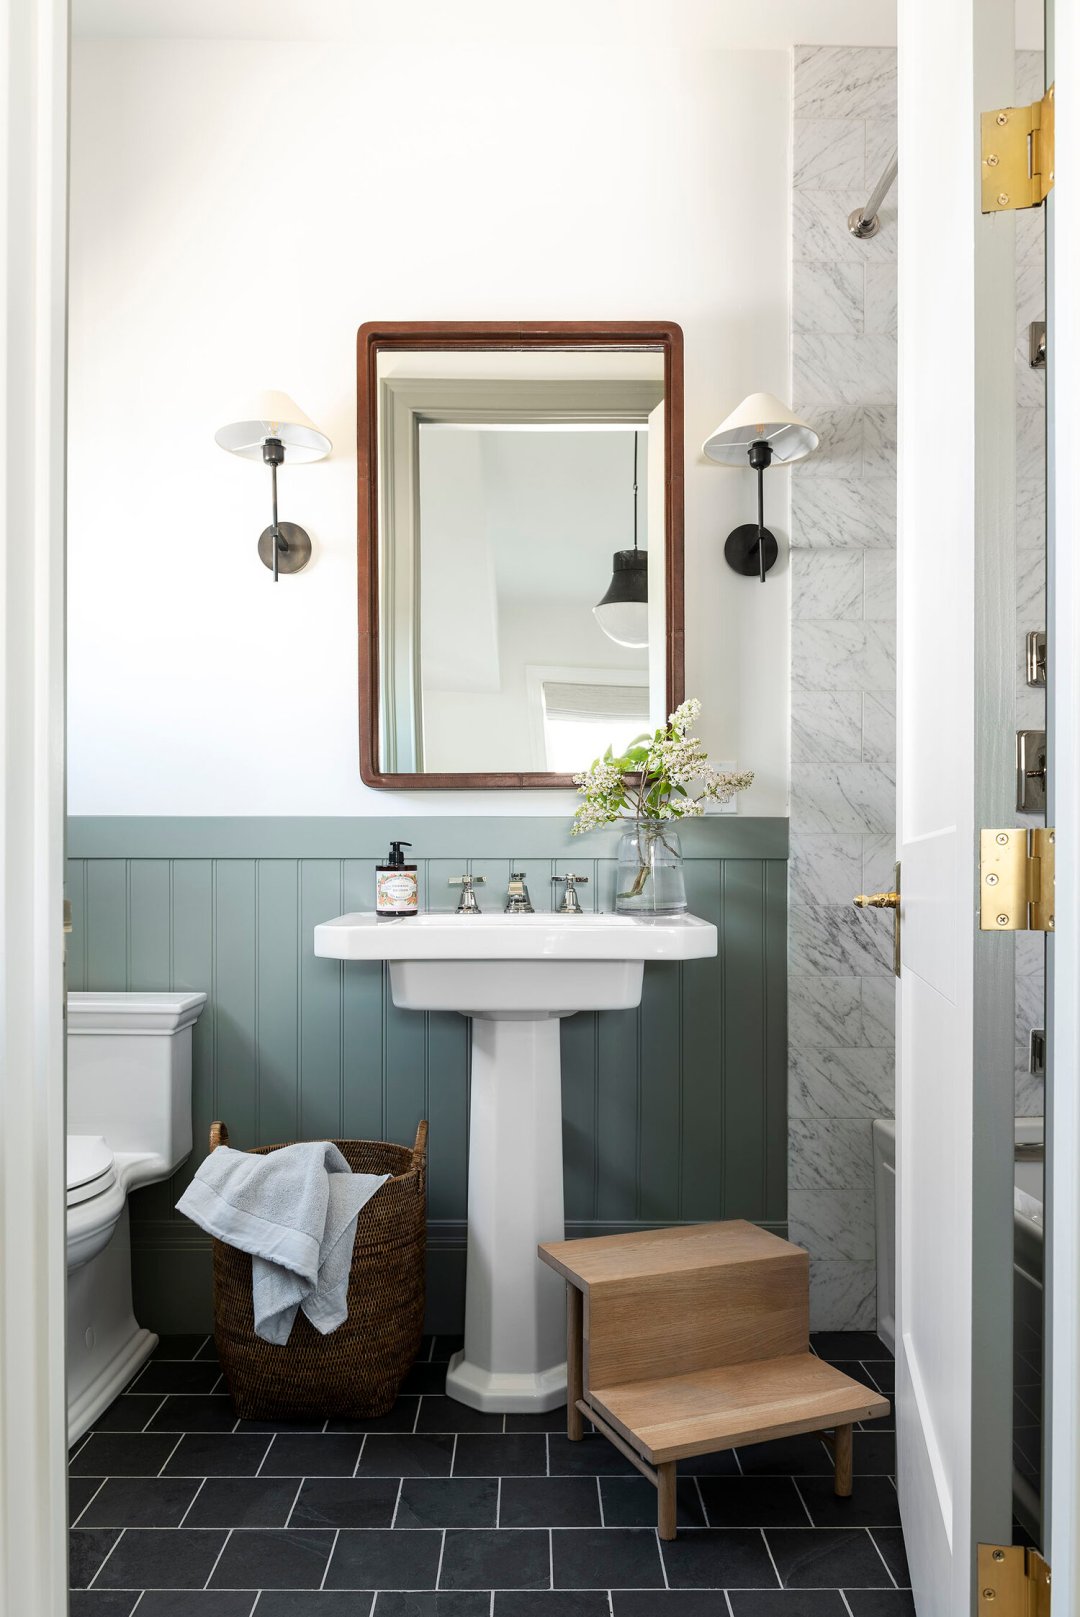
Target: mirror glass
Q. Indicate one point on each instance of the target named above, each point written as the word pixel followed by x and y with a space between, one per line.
pixel 519 584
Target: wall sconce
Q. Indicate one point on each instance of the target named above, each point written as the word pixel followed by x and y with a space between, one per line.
pixel 760 431
pixel 275 425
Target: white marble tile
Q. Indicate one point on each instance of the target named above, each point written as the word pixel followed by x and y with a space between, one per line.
pixel 843 656
pixel 1030 710
pixel 842 81
pixel 839 941
pixel 879 730
pixel 827 297
pixel 1030 515
pixel 1031 442
pixel 1030 1095
pixel 830 1152
pixel 1030 383
pixel 1030 296
pixel 833 1223
pixel 849 1081
pixel 881 142
pixel 828 153
pixel 879 1011
pixel 879 585
pixel 843 512
pixel 879 441
pixel 844 370
pixel 824 1011
pixel 842 797
pixel 1031 236
pixel 826 725
pixel 1030 588
pixel 820 230
pixel 843 1296
pixel 878 865
pixel 881 298
pixel 826 584
pixel 824 867
pixel 1030 76
pixel 840 440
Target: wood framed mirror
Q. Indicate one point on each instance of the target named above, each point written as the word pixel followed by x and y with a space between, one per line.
pixel 520 546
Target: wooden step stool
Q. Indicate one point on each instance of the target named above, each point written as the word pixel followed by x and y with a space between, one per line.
pixel 696 1339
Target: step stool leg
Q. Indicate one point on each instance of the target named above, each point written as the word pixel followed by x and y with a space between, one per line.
pixel 842 1448
pixel 665 1487
pixel 575 1352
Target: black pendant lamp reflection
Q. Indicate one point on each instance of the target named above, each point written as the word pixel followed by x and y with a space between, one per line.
pixel 623 612
pixel 762 430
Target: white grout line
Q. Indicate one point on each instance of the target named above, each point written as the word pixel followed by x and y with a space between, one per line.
pixel 330 1557
pixel 802 1501
pixel 258 1597
pixel 104 1563
pixel 738 1463
pixel 416 1417
pixel 89 1502
pixel 137 1604
pixel 157 1411
pixel 660 1548
pixel 776 1569
pixel 220 1553
pixel 498 1510
pixel 547 1454
pixel 442 1552
pixel 431 1352
pixel 844 1598
pixel 171 1452
pixel 551 1559
pixel 195 1495
pixel 491 1605
pixel 371 1608
pixel 397 1503
pixel 217 1383
pixel 610 1605
pixel 269 1446
pixel 292 1507
pixel 453 1457
pixel 884 1563
pixel 700 1500
pixel 360 1453
pixel 727 1603
pixel 600 1497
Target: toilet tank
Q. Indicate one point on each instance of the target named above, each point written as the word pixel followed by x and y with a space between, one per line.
pixel 129 1070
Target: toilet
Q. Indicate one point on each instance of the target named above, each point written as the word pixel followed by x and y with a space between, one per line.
pixel 129 1124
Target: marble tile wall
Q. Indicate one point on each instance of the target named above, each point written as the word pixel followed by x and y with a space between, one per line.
pixel 843 671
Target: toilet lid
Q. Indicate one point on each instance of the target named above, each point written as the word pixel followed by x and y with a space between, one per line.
pixel 89 1167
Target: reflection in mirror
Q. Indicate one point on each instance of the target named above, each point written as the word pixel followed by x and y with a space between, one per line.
pixel 521 506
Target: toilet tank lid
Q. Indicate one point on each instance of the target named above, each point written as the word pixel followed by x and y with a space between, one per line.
pixel 88 1157
pixel 98 1011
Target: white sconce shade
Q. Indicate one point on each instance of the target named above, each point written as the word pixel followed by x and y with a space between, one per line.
pixel 274 415
pixel 760 418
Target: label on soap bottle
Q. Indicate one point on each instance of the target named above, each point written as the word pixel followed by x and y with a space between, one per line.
pixel 396 892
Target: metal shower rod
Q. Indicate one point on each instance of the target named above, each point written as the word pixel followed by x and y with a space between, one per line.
pixel 864 222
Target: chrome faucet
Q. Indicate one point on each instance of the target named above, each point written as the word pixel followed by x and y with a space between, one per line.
pixel 518 901
pixel 467 904
pixel 570 905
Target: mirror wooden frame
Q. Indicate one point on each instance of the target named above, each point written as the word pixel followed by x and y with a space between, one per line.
pixel 376 337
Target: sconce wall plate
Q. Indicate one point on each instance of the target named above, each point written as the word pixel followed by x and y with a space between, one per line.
pixel 741 550
pixel 292 560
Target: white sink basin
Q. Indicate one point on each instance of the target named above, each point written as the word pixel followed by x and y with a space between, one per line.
pixel 515 966
pixel 514 975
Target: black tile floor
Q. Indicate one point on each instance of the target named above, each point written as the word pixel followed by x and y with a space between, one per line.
pixel 180 1510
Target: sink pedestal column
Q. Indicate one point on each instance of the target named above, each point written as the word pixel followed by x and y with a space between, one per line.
pixel 515 1337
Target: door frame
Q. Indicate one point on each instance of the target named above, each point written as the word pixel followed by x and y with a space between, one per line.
pixel 34 49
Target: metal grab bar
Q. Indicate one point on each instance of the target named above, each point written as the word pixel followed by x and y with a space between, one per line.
pixel 864 222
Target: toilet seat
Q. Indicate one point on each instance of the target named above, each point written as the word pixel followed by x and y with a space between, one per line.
pixel 90 1168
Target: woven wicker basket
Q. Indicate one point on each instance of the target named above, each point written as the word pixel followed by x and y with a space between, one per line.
pixel 357 1369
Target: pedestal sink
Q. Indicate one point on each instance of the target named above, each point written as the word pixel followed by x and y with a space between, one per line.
pixel 515 976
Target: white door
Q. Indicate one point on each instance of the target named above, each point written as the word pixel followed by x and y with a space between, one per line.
pixel 956 612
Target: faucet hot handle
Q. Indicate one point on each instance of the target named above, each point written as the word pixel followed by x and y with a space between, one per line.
pixel 467 904
pixel 570 905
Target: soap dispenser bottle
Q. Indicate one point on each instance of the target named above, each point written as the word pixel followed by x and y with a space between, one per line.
pixel 396 888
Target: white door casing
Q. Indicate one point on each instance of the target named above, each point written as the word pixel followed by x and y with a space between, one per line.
pixel 956 608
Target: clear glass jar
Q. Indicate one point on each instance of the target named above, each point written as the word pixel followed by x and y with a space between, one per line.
pixel 650 875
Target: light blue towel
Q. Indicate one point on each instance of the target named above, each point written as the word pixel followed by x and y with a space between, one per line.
pixel 295 1211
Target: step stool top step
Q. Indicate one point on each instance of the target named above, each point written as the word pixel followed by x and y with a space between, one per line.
pixel 642 1253
pixel 672 1417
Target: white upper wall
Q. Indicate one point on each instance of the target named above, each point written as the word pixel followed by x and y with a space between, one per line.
pixel 238 209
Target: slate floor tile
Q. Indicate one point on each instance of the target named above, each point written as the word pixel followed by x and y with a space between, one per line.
pixel 386 1454
pixel 445 1347
pixel 188 1412
pixel 718 1558
pixel 198 1602
pixel 131 1412
pixel 163 1376
pixel 87 1549
pixel 556 1603
pixel 101 1602
pixel 208 1454
pixel 883 1376
pixel 606 1558
pixel 592 1456
pixel 385 1560
pixel 873 1503
pixel 242 1502
pixel 113 1454
pixel 80 1492
pixel 827 1558
pixel 512 1558
pixel 299 1603
pixel 669 1603
pixel 254 1559
pixel 890 1541
pixel 787 1603
pixel 441 1414
pixel 787 1457
pixel 162 1558
pixel 141 1502
pixel 753 1502
pixel 208 1351
pixel 345 1502
pixel 631 1502
pixel 552 1501
pixel 485 1456
pixel 418 1603
pixel 425 1378
pixel 402 1418
pixel 553 1420
pixel 873 1453
pixel 880 1602
pixel 447 1502
pixel 180 1347
pixel 271 1426
pixel 849 1345
pixel 297 1454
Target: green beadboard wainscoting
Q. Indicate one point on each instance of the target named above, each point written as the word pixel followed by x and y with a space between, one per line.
pixel 675 1111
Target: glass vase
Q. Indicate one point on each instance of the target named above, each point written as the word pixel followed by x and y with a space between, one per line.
pixel 650 875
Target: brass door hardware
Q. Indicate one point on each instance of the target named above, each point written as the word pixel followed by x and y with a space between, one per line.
pixel 1013 1582
pixel 1018 155
pixel 1016 880
pixel 885 901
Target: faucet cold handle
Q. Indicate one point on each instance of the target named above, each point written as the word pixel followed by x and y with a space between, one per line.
pixel 570 905
pixel 467 904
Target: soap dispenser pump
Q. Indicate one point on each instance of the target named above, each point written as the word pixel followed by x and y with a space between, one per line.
pixel 396 887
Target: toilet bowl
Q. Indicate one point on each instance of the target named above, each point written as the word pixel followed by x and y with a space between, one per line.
pixel 129 1124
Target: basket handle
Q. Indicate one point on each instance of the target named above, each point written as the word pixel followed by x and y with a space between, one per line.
pixel 219 1135
pixel 419 1150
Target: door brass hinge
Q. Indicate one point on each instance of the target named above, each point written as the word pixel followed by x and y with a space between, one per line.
pixel 1016 880
pixel 1018 155
pixel 1013 1582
